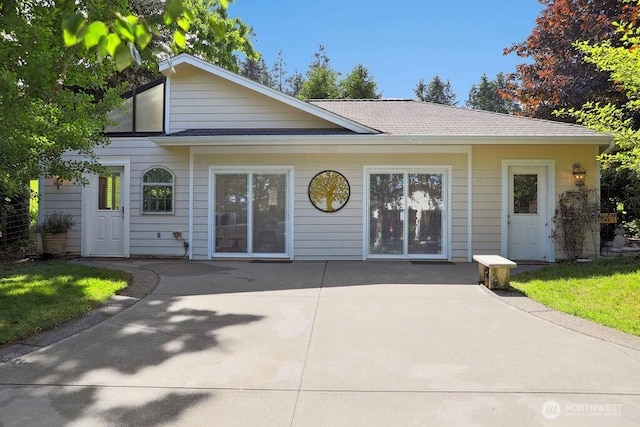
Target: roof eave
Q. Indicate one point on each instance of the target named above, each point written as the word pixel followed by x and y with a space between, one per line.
pixel 379 139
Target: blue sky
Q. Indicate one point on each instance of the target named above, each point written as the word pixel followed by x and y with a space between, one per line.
pixel 399 42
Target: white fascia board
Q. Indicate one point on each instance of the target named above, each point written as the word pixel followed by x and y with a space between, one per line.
pixel 380 139
pixel 167 67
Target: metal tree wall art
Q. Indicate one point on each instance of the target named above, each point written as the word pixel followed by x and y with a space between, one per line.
pixel 329 191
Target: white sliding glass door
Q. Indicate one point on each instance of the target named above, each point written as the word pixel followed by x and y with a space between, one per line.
pixel 407 213
pixel 251 213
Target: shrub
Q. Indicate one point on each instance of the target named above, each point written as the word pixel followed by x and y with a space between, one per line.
pixel 576 214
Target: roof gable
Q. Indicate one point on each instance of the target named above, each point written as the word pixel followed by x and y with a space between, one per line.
pixel 183 61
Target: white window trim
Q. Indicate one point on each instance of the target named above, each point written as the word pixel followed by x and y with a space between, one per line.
pixel 446 170
pixel 173 191
pixel 251 169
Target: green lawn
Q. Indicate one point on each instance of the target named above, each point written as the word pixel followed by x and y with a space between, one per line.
pixel 35 296
pixel 606 291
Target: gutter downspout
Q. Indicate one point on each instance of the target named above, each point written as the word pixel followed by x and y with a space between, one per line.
pixel 612 145
pixel 609 149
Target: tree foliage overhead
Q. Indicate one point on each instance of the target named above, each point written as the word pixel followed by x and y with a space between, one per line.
pixel 436 91
pixel 556 75
pixel 200 27
pixel 487 95
pixel 622 64
pixel 55 99
pixel 47 101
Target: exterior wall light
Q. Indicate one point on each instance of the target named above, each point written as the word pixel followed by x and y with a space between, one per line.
pixel 579 175
pixel 57 181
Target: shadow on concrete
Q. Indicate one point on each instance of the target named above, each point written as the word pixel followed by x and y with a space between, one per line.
pixel 222 277
pixel 112 353
pixel 159 411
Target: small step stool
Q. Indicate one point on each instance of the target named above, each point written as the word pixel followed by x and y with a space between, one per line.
pixel 493 270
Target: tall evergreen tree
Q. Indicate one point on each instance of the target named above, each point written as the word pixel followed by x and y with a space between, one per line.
pixel 437 91
pixel 487 95
pixel 293 84
pixel 256 70
pixel 279 72
pixel 322 80
pixel 359 84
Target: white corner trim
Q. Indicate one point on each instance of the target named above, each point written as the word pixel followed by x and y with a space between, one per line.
pixel 190 231
pixel 167 106
pixel 470 204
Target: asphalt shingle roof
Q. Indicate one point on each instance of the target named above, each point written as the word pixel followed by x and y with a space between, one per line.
pixel 409 117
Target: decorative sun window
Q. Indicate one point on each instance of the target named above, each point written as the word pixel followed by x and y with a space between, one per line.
pixel 157 191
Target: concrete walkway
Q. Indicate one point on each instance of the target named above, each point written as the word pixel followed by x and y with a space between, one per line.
pixel 324 344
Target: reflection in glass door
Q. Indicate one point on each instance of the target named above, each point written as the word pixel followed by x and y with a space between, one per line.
pixel 231 213
pixel 425 213
pixel 386 213
pixel 250 213
pixel 269 213
pixel 406 214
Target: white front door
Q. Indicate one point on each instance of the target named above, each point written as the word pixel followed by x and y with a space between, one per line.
pixel 106 214
pixel 527 215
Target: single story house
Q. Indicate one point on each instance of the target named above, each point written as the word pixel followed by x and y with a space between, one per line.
pixel 207 164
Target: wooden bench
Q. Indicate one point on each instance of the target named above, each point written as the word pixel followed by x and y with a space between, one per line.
pixel 493 270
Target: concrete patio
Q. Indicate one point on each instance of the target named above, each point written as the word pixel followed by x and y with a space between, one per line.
pixel 324 343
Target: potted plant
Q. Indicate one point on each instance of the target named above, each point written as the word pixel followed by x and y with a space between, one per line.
pixel 53 229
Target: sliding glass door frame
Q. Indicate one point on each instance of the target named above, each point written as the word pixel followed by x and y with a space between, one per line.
pixel 250 172
pixel 406 171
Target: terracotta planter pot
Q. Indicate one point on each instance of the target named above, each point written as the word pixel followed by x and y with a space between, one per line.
pixel 54 243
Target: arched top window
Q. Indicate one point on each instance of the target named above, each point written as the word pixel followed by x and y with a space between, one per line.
pixel 158 185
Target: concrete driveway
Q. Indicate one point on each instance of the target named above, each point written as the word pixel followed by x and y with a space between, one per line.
pixel 324 344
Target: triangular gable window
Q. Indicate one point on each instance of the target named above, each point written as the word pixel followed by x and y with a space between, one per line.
pixel 143 113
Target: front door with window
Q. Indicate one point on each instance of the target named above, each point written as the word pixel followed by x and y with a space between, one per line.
pixel 250 213
pixel 527 223
pixel 106 222
pixel 407 214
